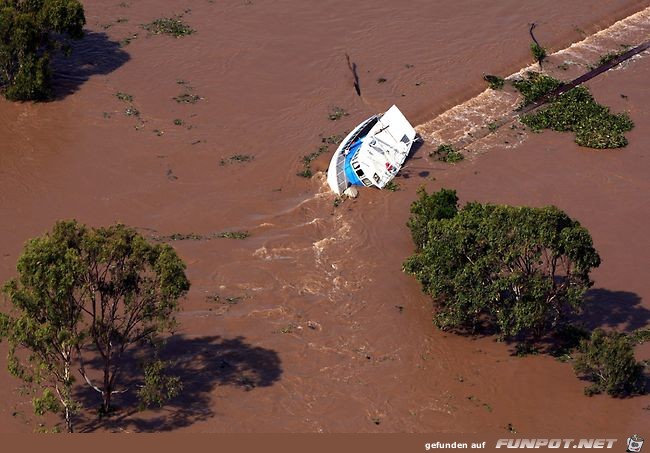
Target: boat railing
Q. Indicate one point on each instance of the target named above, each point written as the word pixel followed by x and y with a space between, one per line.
pixel 363 128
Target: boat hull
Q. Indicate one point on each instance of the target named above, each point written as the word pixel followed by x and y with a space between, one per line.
pixel 372 153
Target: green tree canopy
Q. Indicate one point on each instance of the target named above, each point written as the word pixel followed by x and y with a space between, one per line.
pixel 134 291
pixel 85 293
pixel 607 360
pixel 29 31
pixel 437 206
pixel 519 270
pixel 44 336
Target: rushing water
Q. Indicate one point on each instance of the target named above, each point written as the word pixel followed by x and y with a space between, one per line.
pixel 325 331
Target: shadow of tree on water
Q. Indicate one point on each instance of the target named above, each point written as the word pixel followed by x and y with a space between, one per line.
pixel 203 364
pixel 602 308
pixel 94 54
pixel 622 310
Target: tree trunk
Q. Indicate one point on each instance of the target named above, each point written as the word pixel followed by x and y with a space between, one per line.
pixel 106 404
pixel 68 390
pixel 68 419
pixel 107 391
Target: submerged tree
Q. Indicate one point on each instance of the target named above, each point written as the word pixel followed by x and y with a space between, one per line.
pixel 518 270
pixel 134 291
pixel 43 328
pixel 607 360
pixel 576 110
pixel 437 206
pixel 29 31
pixel 91 294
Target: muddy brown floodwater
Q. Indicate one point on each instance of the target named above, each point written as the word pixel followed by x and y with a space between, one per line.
pixel 323 332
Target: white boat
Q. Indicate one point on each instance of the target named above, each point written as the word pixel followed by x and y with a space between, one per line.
pixel 373 153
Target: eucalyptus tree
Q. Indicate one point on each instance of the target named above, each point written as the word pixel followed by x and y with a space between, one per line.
pixel 30 30
pixel 44 328
pixel 519 270
pixel 92 295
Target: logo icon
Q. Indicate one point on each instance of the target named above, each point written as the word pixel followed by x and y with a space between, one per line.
pixel 634 444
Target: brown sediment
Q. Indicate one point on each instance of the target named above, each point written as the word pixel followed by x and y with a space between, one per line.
pixel 316 340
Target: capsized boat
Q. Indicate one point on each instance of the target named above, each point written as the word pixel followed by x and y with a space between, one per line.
pixel 373 153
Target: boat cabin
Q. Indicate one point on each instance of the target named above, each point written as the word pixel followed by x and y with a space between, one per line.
pixel 373 153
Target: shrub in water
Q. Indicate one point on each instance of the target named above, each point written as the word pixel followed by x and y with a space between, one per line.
pixel 607 360
pixel 576 110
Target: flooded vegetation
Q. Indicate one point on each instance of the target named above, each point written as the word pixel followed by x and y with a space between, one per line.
pixel 299 311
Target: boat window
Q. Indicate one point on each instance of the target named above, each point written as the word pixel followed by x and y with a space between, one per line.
pixel 371 123
pixel 366 182
pixel 375 177
pixel 365 129
pixel 360 173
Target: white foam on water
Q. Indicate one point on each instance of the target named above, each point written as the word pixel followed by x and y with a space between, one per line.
pixel 472 117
